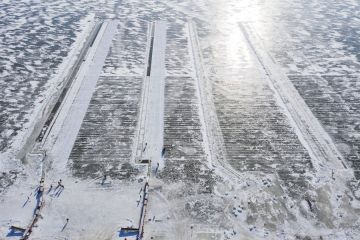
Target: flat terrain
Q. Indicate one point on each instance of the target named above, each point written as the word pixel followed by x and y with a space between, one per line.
pixel 247 112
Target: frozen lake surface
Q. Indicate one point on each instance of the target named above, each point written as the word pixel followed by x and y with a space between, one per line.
pixel 244 157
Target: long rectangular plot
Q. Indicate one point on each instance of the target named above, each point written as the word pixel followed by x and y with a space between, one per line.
pixel 256 132
pixel 127 57
pixel 186 159
pixel 335 101
pixel 105 140
pixel 104 143
pixel 177 53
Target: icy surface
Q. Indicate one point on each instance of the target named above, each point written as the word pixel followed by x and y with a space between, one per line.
pixel 35 38
pixel 103 144
pixel 235 166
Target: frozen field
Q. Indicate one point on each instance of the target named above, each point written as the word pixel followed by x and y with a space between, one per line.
pixel 35 38
pixel 104 142
pixel 256 104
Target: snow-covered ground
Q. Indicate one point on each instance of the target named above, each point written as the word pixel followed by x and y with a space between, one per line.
pixel 260 119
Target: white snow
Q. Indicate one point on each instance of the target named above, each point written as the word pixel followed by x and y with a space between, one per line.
pixel 9 158
pixel 308 128
pixel 154 125
pixel 97 209
pixel 73 110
